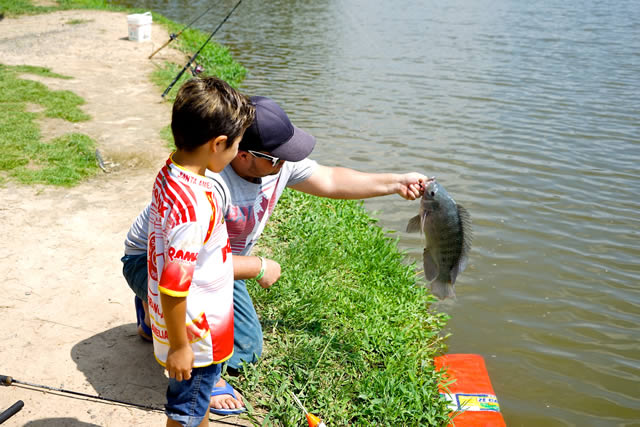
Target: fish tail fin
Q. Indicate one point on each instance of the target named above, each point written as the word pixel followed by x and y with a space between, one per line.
pixel 442 289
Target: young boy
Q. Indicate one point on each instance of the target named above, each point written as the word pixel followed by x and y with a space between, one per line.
pixel 190 293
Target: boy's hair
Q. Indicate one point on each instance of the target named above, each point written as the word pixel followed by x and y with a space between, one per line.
pixel 206 108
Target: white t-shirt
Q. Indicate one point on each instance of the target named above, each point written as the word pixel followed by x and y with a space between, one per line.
pixel 249 209
pixel 190 256
pixel 252 203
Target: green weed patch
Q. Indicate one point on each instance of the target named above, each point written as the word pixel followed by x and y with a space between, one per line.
pixel 63 161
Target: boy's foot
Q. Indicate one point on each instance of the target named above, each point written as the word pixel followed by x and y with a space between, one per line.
pixel 144 330
pixel 225 400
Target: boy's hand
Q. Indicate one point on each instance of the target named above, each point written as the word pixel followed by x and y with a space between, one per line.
pixel 180 362
pixel 271 274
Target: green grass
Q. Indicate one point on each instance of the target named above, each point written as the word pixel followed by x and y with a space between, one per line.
pixel 347 328
pixel 25 157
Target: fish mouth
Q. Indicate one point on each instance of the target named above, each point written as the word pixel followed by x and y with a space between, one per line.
pixel 424 184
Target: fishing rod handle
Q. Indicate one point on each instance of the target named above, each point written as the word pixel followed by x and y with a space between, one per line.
pixel 13 409
pixel 6 380
pixel 166 91
pixel 161 47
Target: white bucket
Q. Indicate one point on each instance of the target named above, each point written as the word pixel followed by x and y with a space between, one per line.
pixel 139 26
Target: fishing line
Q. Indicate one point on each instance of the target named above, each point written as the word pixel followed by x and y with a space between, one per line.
pixel 193 58
pixel 174 36
pixel 319 359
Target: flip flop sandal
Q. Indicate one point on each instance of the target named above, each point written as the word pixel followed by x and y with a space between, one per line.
pixel 226 389
pixel 140 320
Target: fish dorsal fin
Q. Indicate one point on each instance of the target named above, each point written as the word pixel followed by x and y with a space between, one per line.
pixel 467 237
pixel 414 225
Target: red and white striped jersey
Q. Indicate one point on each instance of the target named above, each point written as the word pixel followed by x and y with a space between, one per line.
pixel 189 255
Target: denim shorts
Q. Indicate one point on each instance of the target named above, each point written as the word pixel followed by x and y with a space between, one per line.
pixel 247 331
pixel 188 400
pixel 134 269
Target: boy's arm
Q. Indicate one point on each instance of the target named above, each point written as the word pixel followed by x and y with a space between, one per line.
pixel 180 358
pixel 344 183
pixel 249 267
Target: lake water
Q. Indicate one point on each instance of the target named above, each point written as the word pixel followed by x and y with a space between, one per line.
pixel 529 115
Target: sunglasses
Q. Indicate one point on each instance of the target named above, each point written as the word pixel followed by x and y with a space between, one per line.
pixel 274 160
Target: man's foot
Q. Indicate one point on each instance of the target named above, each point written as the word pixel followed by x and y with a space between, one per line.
pixel 144 330
pixel 144 335
pixel 225 400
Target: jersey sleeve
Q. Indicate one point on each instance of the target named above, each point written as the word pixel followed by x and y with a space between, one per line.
pixel 181 255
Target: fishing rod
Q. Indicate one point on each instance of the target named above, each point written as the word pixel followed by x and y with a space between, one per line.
pixel 174 36
pixel 13 409
pixel 193 58
pixel 7 381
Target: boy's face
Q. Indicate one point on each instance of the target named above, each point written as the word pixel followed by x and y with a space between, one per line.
pixel 223 156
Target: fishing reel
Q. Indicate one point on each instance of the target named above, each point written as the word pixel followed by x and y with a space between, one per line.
pixel 196 69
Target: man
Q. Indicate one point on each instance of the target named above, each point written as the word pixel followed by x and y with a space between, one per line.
pixel 272 156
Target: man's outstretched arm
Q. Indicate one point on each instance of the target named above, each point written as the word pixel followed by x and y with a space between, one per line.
pixel 344 183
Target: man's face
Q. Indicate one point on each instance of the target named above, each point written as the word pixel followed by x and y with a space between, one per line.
pixel 224 154
pixel 255 166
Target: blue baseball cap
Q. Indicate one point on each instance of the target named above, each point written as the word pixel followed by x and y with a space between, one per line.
pixel 273 132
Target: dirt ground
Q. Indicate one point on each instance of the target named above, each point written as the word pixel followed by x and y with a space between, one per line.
pixel 67 317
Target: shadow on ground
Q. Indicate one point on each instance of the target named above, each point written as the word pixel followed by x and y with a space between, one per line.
pixel 120 365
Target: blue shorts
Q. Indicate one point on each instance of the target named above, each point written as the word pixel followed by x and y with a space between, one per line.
pixel 188 401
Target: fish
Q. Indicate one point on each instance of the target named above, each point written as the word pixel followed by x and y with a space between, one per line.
pixel 446 226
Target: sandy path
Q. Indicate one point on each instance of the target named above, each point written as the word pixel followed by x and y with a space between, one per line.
pixel 67 318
